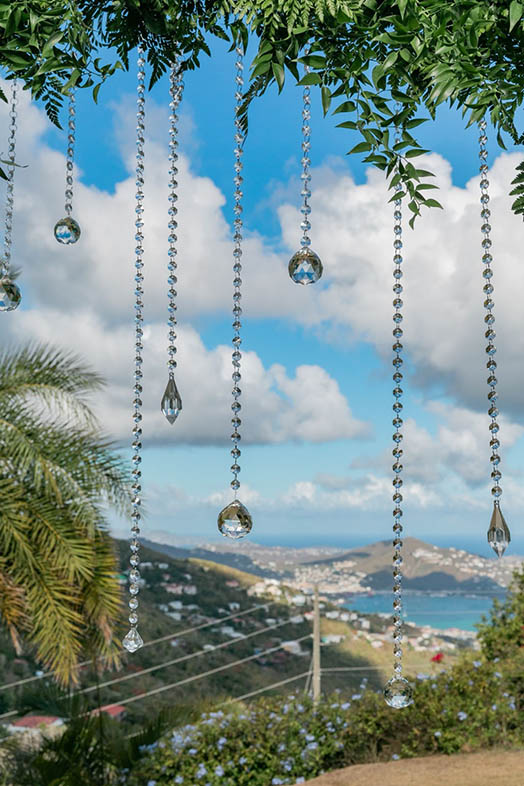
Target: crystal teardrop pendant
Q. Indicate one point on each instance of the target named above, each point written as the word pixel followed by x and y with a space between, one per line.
pixel 398 693
pixel 171 402
pixel 10 295
pixel 133 641
pixel 498 533
pixel 67 231
pixel 235 521
pixel 305 267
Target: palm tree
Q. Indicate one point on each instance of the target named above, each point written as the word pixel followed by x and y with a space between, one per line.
pixel 58 589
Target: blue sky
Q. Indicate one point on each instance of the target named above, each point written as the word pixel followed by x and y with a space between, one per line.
pixel 317 403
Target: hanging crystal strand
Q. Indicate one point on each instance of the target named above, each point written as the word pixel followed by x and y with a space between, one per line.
pixel 171 403
pixel 498 532
pixel 305 266
pixel 10 295
pixel 397 692
pixel 67 230
pixel 133 641
pixel 235 521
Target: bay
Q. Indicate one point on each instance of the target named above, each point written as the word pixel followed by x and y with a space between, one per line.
pixel 438 610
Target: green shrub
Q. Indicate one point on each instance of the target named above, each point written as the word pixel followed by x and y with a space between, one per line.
pixel 286 742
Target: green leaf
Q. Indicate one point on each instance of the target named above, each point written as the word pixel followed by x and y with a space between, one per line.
pixel 346 106
pixel 418 151
pixel 326 99
pixel 432 203
pixel 402 7
pixel 279 74
pixel 362 147
pixel 515 13
pixel 311 79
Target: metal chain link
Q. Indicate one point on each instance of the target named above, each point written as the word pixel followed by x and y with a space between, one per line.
pixel 237 269
pixel 489 319
pixel 133 640
pixel 71 135
pixel 176 89
pixel 305 241
pixel 8 237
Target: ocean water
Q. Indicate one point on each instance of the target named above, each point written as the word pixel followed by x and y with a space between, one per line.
pixel 446 611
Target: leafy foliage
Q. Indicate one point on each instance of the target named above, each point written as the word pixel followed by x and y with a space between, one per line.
pixel 94 749
pixel 58 591
pixel 381 63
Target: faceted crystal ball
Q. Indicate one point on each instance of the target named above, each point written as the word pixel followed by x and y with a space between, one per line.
pixel 171 404
pixel 67 231
pixel 498 533
pixel 235 520
pixel 133 641
pixel 398 693
pixel 10 295
pixel 305 267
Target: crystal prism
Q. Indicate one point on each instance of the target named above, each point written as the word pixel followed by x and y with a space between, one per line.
pixel 67 231
pixel 235 521
pixel 133 641
pixel 498 533
pixel 171 402
pixel 398 693
pixel 305 267
pixel 10 295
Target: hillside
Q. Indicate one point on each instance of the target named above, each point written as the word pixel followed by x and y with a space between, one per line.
pixel 183 594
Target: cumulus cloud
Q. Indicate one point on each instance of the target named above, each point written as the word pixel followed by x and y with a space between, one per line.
pixel 80 297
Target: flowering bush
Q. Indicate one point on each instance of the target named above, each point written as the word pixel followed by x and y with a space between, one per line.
pixel 275 742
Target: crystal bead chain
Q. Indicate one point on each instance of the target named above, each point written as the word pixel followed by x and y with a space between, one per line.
pixel 489 319
pixel 176 85
pixel 305 266
pixel 133 640
pixel 305 226
pixel 498 533
pixel 71 136
pixel 397 692
pixel 8 237
pixel 397 436
pixel 237 269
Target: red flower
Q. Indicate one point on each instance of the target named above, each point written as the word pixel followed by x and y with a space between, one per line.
pixel 438 658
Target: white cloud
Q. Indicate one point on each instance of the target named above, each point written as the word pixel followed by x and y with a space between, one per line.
pixel 80 297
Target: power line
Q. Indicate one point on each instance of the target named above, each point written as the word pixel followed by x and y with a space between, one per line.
pixel 267 687
pixel 177 634
pixel 195 677
pixel 181 658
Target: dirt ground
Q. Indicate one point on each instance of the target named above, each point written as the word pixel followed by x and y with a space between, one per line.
pixel 477 769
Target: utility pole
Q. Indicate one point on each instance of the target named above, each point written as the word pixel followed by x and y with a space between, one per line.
pixel 316 648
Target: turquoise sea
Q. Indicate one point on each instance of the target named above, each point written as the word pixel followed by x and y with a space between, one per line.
pixel 438 610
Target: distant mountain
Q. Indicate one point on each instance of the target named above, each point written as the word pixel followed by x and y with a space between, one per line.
pixel 230 558
pixel 426 567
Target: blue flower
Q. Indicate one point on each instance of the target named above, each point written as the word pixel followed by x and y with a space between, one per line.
pixel 395 757
pixel 276 781
pixel 282 747
pixel 345 706
pixel 438 734
pixel 312 746
pixel 356 697
pixel 219 770
pixel 462 715
pixel 242 760
pixel 192 751
pixel 151 783
pixel 300 780
pixel 179 779
pixel 498 674
pixel 493 707
pixel 477 663
pixel 310 737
